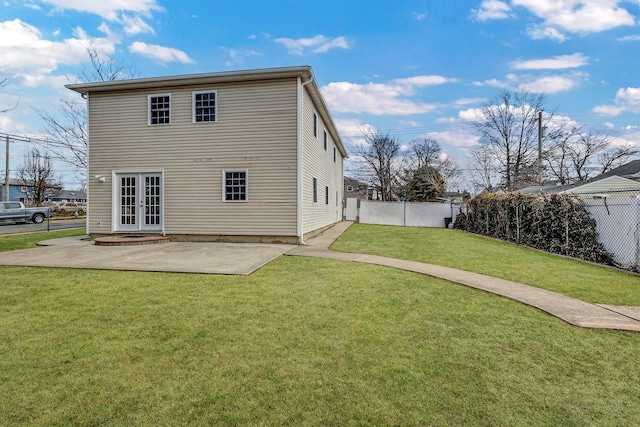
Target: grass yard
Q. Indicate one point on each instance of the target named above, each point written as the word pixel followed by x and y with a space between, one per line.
pixel 470 252
pixel 300 342
pixel 13 242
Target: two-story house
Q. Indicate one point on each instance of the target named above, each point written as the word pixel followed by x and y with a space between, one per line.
pixel 235 156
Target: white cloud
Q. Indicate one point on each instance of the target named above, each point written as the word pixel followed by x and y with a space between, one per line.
pixel 467 101
pixel 376 99
pixel 160 53
pixel 318 44
pixel 538 32
pixel 627 100
pixel 135 25
pixel 549 84
pixel 128 13
pixel 421 81
pixel 25 53
pixel 576 16
pixel 411 123
pixel 471 115
pixel 629 38
pixel 556 63
pixel 108 9
pixel 419 16
pixel 381 99
pixel 492 9
pixel 237 57
pixel 537 84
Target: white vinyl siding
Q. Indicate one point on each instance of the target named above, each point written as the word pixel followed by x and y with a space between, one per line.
pixel 256 130
pixel 317 164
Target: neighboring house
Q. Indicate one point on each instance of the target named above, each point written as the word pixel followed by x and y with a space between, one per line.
pixel 238 156
pixel 354 189
pixel 67 196
pixel 20 192
pixel 623 180
pixel 17 191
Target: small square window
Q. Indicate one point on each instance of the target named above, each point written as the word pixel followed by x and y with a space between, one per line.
pixel 234 185
pixel 160 109
pixel 204 106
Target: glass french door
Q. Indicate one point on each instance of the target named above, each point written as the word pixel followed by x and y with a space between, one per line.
pixel 139 202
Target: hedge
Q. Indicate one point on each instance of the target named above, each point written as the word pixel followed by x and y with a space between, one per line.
pixel 554 223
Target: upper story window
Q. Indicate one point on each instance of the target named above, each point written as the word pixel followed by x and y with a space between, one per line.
pixel 315 124
pixel 204 106
pixel 325 138
pixel 160 109
pixel 334 154
pixel 234 185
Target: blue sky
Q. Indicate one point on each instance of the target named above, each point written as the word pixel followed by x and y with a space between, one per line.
pixel 412 68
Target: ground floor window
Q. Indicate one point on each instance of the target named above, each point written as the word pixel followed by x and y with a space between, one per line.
pixel 315 190
pixel 235 185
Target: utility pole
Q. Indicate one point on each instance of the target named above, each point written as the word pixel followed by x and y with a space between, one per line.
pixel 540 148
pixel 6 177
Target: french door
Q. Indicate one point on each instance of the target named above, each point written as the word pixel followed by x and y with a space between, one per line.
pixel 139 204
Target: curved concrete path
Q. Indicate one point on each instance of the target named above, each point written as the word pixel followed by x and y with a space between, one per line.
pixel 571 310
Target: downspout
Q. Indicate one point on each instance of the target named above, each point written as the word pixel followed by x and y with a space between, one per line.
pixel 300 159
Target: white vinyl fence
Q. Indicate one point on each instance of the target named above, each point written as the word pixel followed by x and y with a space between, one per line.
pixel 618 224
pixel 423 214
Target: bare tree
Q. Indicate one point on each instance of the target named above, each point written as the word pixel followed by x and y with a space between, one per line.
pixel 67 128
pixel 36 172
pixel 484 169
pixel 574 155
pixel 614 157
pixel 424 151
pixel 509 128
pixel 3 82
pixel 380 162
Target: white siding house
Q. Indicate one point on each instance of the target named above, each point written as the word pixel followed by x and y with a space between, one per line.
pixel 237 156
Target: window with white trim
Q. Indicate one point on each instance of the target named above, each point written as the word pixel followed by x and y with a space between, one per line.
pixel 315 190
pixel 315 125
pixel 326 195
pixel 325 137
pixel 204 106
pixel 235 185
pixel 160 109
pixel 334 154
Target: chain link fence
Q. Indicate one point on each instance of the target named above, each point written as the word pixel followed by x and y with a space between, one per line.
pixel 617 216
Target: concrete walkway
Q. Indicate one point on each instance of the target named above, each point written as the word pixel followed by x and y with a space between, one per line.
pixel 571 310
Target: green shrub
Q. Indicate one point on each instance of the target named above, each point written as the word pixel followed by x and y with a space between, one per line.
pixel 554 223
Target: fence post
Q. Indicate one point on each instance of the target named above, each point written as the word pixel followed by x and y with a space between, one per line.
pixel 637 232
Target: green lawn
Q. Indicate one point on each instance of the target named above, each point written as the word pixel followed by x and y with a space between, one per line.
pixel 300 342
pixel 466 251
pixel 30 240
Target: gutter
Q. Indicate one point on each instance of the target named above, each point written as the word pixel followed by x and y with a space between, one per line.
pixel 300 159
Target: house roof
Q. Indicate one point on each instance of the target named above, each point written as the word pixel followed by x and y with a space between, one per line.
pixel 628 170
pixel 304 72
